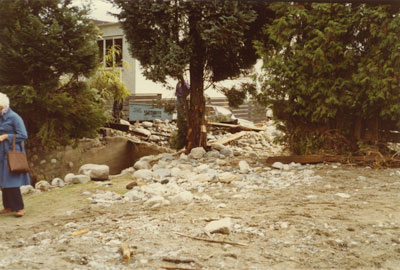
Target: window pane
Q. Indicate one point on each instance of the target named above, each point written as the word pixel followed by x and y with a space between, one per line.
pixel 109 56
pixel 118 52
pixel 100 43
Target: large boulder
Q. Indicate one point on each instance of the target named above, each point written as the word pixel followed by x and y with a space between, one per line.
pixel 95 171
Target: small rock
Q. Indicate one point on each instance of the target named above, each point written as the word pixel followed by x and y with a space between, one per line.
pixel 184 197
pixel 223 226
pixel 218 146
pixel 156 201
pixel 76 179
pixel 134 195
pixel 278 165
pixel 244 167
pixel 143 174
pixel 226 152
pixel 227 177
pixel 147 124
pixel 42 185
pixel 362 178
pixel 197 152
pixel 143 131
pixel 57 182
pixel 343 195
pixel 26 189
pixel 142 165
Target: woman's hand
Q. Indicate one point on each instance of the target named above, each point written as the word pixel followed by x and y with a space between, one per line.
pixel 3 137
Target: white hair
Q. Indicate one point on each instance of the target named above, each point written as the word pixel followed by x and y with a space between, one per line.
pixel 4 101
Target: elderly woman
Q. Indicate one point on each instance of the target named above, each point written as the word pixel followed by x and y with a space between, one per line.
pixel 11 124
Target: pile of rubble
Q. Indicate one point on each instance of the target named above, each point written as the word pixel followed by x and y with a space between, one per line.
pixel 254 141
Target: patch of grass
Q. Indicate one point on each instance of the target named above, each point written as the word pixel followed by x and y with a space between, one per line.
pixel 61 200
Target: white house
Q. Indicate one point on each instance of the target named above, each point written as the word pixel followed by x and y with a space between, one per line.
pixel 112 34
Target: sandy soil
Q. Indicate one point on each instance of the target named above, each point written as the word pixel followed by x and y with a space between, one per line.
pixel 335 222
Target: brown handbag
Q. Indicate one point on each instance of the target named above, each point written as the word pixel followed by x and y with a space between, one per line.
pixel 17 161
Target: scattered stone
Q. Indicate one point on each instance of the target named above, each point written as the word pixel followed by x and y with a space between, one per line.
pixel 244 167
pixel 147 124
pixel 76 179
pixel 142 165
pixel 278 165
pixel 184 197
pixel 27 189
pixel 197 152
pixel 227 177
pixel 226 152
pixel 57 182
pixel 156 201
pixel 143 174
pixel 223 226
pixel 42 185
pixel 343 195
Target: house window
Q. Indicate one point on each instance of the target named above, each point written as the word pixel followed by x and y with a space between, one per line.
pixel 113 47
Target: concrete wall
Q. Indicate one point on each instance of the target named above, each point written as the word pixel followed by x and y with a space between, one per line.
pixel 117 152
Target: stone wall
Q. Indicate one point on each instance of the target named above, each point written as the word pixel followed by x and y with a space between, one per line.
pixel 116 152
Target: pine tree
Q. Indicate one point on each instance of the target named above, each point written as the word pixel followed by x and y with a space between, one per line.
pixel 329 68
pixel 47 49
pixel 212 39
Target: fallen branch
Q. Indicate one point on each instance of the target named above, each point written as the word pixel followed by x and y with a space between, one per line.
pixel 211 240
pixel 126 251
pixel 177 268
pixel 176 260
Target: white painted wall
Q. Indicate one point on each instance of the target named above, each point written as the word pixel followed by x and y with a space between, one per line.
pixel 113 30
pixel 138 84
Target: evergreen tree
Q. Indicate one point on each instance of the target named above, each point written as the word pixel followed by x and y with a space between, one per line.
pixel 329 70
pixel 212 39
pixel 47 49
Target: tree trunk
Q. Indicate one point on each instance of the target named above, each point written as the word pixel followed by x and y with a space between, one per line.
pixel 197 133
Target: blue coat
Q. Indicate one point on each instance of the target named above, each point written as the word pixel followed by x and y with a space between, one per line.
pixel 11 123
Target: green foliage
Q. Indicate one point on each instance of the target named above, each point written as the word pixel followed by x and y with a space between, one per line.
pixel 160 37
pixel 47 49
pixel 108 80
pixel 211 39
pixel 328 66
pixel 236 97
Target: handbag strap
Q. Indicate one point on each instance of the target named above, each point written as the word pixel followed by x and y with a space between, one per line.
pixel 13 144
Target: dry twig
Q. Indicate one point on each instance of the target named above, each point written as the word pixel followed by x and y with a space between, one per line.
pixel 177 268
pixel 211 240
pixel 176 260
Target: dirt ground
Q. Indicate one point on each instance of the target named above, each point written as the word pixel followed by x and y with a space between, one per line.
pixel 339 221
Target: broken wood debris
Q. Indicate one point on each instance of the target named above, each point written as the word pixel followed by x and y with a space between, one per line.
pixel 126 252
pixel 80 232
pixel 177 260
pixel 232 137
pixel 212 240
pixel 234 127
pixel 313 159
pixel 177 268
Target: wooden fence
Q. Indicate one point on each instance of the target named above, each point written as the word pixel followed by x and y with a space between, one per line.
pixel 372 130
pixel 247 111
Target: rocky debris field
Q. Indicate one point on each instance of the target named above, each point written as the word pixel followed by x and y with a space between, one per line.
pixel 222 209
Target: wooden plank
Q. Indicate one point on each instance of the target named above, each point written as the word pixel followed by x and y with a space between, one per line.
pixel 377 160
pixel 232 137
